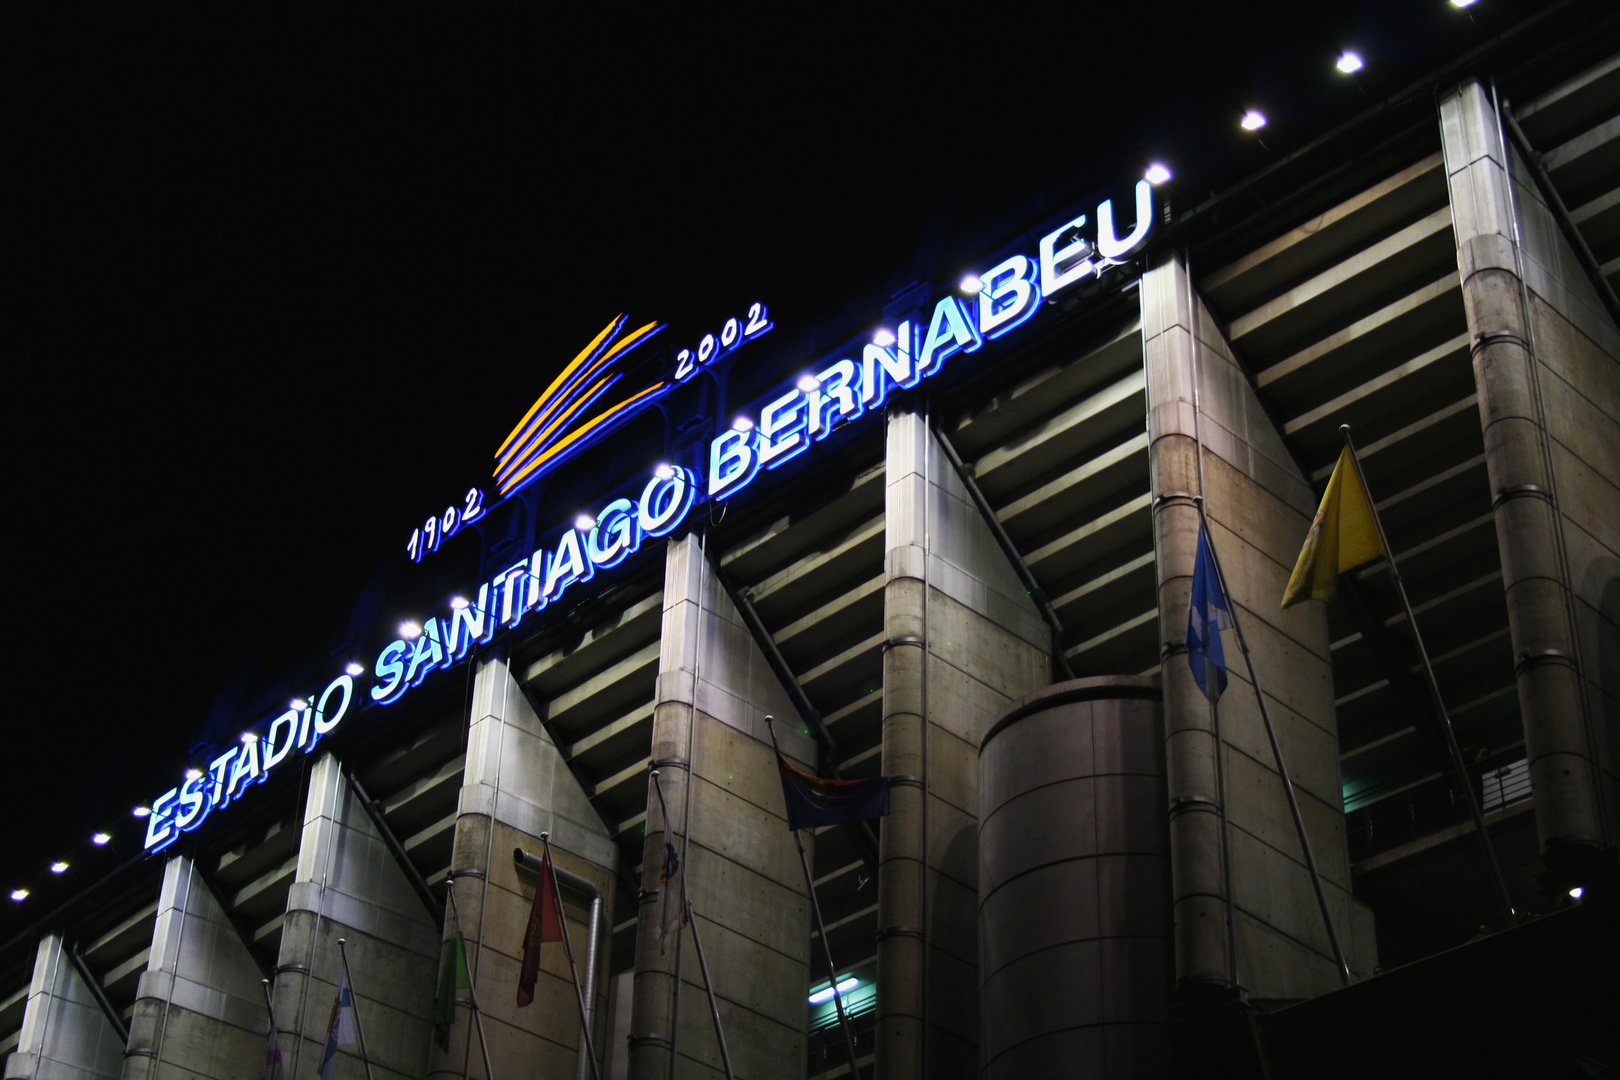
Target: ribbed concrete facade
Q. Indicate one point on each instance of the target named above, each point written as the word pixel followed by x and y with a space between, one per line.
pixel 886 597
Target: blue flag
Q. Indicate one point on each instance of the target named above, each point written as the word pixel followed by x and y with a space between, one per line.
pixel 812 801
pixel 1207 615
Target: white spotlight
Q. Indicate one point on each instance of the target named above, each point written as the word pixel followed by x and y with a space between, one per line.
pixel 410 631
pixel 1576 893
pixel 58 867
pixel 353 670
pixel 298 704
pixel 459 603
pixel 1463 3
pixel 971 285
pixel 1253 120
pixel 1157 173
pixel 742 423
pixel 664 471
pixel 1350 63
pixel 809 383
pixel 883 338
pixel 100 838
pixel 141 811
pixel 194 774
pixel 249 737
pixel 584 523
pixel 19 895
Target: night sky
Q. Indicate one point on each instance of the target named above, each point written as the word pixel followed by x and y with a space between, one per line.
pixel 286 285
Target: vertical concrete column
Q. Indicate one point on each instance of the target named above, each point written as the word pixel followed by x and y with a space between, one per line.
pixel 1547 367
pixel 65 1035
pixel 199 1006
pixel 516 785
pixel 1231 833
pixel 349 886
pixel 963 640
pixel 743 878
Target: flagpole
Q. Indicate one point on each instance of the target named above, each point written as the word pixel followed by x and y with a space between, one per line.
pixel 1434 689
pixel 688 918
pixel 1277 755
pixel 821 929
pixel 472 991
pixel 568 947
pixel 275 1036
pixel 708 985
pixel 354 1006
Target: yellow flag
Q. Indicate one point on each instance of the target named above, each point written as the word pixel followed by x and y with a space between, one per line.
pixel 1343 536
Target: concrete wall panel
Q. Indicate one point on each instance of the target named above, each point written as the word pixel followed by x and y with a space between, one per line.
pixel 65 1035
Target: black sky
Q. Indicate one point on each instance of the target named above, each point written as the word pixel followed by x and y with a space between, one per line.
pixel 284 286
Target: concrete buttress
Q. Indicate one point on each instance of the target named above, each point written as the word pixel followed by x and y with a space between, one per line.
pixel 65 1035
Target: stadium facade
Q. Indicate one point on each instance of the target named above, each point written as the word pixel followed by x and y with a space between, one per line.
pixel 953 545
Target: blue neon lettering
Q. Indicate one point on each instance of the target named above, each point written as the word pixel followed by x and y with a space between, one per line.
pixel 1109 246
pixel 617 520
pixel 1009 297
pixel 836 399
pixel 507 581
pixel 247 764
pixel 1061 267
pixel 665 502
pixel 467 625
pixel 217 794
pixel 275 749
pixel 162 814
pixel 949 332
pixel 390 672
pixel 425 656
pixel 194 803
pixel 327 719
pixel 733 462
pixel 782 429
pixel 568 565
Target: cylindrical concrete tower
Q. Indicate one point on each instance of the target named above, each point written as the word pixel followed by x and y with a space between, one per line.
pixel 1074 884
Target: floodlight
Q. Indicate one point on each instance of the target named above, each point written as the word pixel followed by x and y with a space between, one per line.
pixel 459 603
pixel 1463 3
pixel 664 471
pixel 742 423
pixel 59 867
pixel 1350 63
pixel 1157 173
pixel 883 338
pixel 409 630
pixel 1576 893
pixel 249 737
pixel 1253 120
pixel 100 839
pixel 353 669
pixel 809 383
pixel 19 895
pixel 971 284
pixel 142 811
pixel 298 704
pixel 584 523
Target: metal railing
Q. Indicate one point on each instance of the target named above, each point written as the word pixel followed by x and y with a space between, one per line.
pixel 1434 804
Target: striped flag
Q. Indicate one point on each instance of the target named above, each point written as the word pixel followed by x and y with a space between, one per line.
pixel 339 1031
pixel 813 801
pixel 545 924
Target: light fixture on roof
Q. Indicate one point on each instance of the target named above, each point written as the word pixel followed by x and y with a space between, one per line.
pixel 409 630
pixel 353 669
pixel 298 704
pixel 59 867
pixel 194 774
pixel 1463 3
pixel 1253 120
pixel 19 895
pixel 809 383
pixel 1157 173
pixel 1350 62
pixel 249 737
pixel 100 839
pixel 883 338
pixel 142 811
pixel 1576 893
pixel 971 284
pixel 664 471
pixel 742 423
pixel 584 523
pixel 459 603
pixel 826 992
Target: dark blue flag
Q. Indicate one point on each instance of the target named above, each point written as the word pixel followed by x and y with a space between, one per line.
pixel 1207 615
pixel 813 801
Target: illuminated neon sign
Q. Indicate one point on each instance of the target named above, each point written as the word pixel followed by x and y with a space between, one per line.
pixel 836 392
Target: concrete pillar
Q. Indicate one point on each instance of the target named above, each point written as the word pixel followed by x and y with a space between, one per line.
pixel 516 786
pixel 1227 804
pixel 65 1035
pixel 963 640
pixel 199 1006
pixel 1547 367
pixel 743 876
pixel 348 886
pixel 1074 882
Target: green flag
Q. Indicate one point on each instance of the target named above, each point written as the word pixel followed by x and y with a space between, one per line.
pixel 453 978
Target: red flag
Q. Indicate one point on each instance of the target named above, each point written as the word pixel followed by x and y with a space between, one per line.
pixel 545 924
